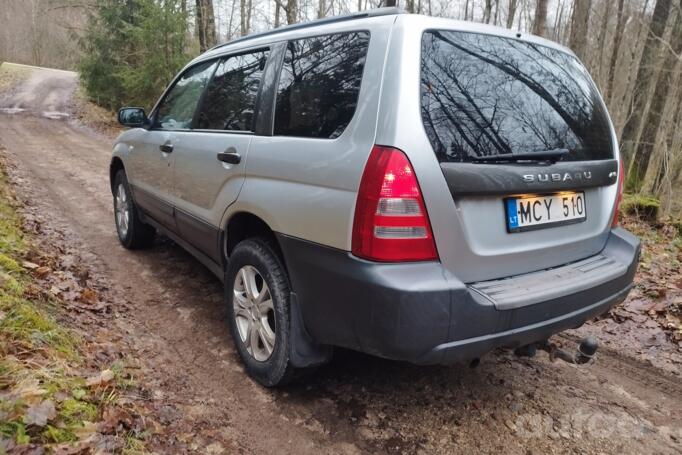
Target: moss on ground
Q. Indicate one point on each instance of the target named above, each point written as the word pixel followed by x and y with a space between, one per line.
pixel 44 398
pixel 642 206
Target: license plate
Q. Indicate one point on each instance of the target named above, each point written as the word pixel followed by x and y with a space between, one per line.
pixel 526 213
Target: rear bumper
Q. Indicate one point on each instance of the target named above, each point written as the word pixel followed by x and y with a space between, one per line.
pixel 419 312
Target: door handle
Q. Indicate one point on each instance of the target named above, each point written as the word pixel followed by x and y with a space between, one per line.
pixel 229 157
pixel 166 148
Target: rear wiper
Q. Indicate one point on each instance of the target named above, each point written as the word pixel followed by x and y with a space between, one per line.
pixel 543 155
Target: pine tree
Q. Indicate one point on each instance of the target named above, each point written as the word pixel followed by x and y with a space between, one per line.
pixel 131 50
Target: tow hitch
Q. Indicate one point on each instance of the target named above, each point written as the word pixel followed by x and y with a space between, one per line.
pixel 585 352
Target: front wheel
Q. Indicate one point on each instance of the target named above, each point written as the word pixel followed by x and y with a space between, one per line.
pixel 257 296
pixel 132 232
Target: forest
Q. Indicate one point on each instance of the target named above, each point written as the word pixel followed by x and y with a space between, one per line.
pixel 126 51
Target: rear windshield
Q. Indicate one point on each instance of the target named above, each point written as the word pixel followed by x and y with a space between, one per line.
pixel 484 96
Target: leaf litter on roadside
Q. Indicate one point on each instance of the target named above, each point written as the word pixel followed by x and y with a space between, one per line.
pixel 64 385
pixel 649 322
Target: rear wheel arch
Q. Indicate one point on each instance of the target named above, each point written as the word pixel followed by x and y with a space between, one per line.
pixel 244 225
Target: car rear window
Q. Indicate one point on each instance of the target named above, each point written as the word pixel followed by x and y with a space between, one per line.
pixel 319 84
pixel 484 96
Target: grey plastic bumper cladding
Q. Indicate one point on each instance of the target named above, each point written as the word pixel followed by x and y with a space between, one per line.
pixel 419 312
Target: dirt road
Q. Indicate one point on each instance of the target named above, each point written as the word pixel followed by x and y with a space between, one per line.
pixel 357 404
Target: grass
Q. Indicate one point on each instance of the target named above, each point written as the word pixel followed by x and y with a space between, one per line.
pixel 11 74
pixel 41 361
pixel 95 116
pixel 642 206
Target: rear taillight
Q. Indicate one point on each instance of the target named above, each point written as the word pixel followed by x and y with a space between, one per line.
pixel 619 196
pixel 391 223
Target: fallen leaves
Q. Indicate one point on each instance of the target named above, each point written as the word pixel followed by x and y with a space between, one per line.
pixel 30 265
pixel 41 413
pixel 89 296
pixel 42 272
pixel 649 322
pixel 28 389
pixel 103 378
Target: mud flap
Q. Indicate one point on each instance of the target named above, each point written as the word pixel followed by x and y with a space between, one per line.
pixel 305 352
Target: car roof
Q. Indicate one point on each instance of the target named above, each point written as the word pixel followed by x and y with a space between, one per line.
pixel 318 26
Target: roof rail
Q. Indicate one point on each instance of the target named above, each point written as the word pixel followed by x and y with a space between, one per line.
pixel 386 11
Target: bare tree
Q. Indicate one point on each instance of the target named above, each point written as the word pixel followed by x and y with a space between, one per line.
pixel 640 90
pixel 601 39
pixel 617 38
pixel 487 11
pixel 245 9
pixel 579 27
pixel 540 20
pixel 511 12
pixel 205 24
pixel 652 121
pixel 292 11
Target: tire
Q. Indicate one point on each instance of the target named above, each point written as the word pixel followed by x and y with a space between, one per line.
pixel 256 258
pixel 132 232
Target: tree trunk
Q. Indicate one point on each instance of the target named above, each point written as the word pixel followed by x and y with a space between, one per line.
pixel 391 2
pixel 321 9
pixel 640 91
pixel 277 13
pixel 579 27
pixel 601 43
pixel 511 12
pixel 229 23
pixel 205 24
pixel 487 11
pixel 618 37
pixel 409 6
pixel 540 20
pixel 243 29
pixel 556 32
pixel 645 145
pixel 292 11
pixel 668 170
pixel 249 10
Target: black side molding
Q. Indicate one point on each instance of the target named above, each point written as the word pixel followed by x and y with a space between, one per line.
pixel 478 179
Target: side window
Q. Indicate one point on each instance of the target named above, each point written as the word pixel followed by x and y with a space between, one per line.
pixel 231 96
pixel 319 84
pixel 177 108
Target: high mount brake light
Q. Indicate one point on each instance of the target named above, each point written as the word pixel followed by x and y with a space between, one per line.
pixel 391 223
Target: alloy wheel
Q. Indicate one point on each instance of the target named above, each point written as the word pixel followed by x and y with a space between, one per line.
pixel 122 211
pixel 254 313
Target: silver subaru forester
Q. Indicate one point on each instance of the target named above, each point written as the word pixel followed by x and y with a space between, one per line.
pixel 416 188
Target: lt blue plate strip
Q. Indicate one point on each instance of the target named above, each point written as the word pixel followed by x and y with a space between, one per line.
pixel 512 216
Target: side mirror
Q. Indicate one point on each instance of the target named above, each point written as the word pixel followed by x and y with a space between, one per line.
pixel 133 117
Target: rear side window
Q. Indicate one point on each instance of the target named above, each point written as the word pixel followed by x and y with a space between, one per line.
pixel 319 84
pixel 483 96
pixel 230 98
pixel 176 111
